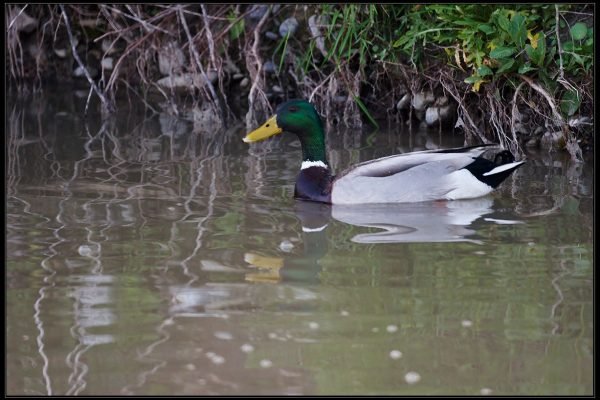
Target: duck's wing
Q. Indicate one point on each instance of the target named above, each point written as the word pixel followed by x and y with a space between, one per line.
pixel 412 177
pixel 453 159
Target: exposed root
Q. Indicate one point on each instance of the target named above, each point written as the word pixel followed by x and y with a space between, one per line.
pixel 255 69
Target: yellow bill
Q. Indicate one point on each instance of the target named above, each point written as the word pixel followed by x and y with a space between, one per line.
pixel 266 130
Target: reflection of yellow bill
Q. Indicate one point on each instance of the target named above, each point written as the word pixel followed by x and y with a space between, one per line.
pixel 266 130
pixel 269 268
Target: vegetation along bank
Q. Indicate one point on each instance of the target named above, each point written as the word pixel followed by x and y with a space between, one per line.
pixel 520 75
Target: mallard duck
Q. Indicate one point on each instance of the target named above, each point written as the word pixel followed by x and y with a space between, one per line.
pixel 450 174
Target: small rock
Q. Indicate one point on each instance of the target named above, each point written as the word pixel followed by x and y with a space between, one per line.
pixel 288 27
pixel 404 102
pixel 277 89
pixel 550 139
pixel 186 81
pixel 269 67
pixel 420 101
pixel 107 63
pixel 170 59
pixel 61 53
pixel 434 114
pixel 271 35
pixel 257 11
pixel 212 76
pixel 245 82
pixel 237 77
pixel 521 128
pixel 231 68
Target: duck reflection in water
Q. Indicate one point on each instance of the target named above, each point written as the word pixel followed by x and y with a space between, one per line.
pixel 427 222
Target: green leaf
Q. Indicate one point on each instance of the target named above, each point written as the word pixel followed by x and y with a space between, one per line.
pixel 568 46
pixel 570 102
pixel 525 68
pixel 472 79
pixel 237 29
pixel 484 70
pixel 578 59
pixel 517 30
pixel 506 65
pixel 486 28
pixel 503 22
pixel 365 110
pixel 579 31
pixel 537 54
pixel 502 52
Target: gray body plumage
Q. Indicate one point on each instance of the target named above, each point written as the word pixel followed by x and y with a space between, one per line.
pixel 413 177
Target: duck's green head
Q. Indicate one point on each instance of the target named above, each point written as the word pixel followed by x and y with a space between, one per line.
pixel 301 118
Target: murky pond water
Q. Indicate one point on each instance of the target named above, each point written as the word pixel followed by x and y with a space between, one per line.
pixel 146 258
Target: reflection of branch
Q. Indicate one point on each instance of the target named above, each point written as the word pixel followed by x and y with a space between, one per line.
pixel 560 295
pixel 143 376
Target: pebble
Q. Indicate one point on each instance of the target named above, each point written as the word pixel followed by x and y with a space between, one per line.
pixel 313 325
pixel 288 27
pixel 271 35
pixel 269 67
pixel 391 328
pixel 266 363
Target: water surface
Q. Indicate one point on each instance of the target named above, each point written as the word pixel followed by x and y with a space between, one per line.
pixel 147 255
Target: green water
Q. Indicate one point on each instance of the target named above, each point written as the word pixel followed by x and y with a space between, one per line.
pixel 147 257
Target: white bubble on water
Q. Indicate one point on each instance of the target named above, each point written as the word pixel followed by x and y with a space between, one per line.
pixel 486 391
pixel 223 335
pixel 247 348
pixel 412 377
pixel 395 354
